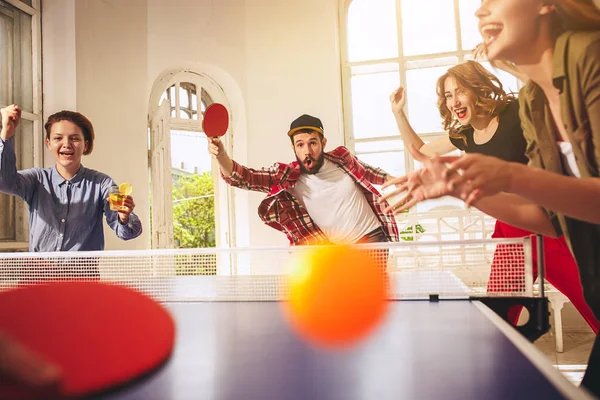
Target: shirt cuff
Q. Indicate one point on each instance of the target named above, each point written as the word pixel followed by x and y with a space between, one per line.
pixel 129 223
pixel 235 176
pixel 133 223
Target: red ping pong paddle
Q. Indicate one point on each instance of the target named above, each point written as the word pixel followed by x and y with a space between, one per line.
pixel 100 336
pixel 216 120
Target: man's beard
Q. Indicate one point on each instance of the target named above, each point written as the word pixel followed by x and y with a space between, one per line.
pixel 315 165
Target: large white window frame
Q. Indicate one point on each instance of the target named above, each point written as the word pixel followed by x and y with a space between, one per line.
pixel 401 64
pixel 23 80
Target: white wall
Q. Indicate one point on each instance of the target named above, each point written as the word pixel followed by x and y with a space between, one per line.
pixel 111 39
pixel 58 61
pixel 292 68
pixel 275 60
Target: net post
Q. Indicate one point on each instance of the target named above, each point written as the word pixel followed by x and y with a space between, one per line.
pixel 528 261
pixel 540 261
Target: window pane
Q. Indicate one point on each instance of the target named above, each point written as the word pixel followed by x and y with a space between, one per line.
pixel 380 145
pixel 468 24
pixel 194 102
pixel 172 95
pixel 24 137
pixel 24 149
pixel 6 56
pixel 204 100
pixel 372 115
pixel 372 30
pixel 25 83
pixel 189 152
pixel 431 62
pixel 184 100
pixel 16 73
pixel 428 26
pixel 391 162
pixel 421 99
pixel 193 192
pixel 7 210
pixel 194 216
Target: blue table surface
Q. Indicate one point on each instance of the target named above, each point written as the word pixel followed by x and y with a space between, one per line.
pixel 423 350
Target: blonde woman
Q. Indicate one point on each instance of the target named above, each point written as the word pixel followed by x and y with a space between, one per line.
pixel 556 44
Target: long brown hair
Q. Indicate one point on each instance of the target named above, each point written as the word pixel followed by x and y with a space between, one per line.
pixel 574 15
pixel 490 97
pixel 78 119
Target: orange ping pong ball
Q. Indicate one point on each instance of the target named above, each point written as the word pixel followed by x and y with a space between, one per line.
pixel 338 295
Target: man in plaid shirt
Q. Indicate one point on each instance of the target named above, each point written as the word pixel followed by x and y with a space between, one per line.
pixel 321 198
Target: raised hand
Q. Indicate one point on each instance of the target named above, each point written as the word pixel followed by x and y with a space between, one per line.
pixel 398 100
pixel 485 176
pixel 215 147
pixel 11 116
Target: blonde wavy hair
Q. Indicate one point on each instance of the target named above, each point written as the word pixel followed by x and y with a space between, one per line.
pixel 486 88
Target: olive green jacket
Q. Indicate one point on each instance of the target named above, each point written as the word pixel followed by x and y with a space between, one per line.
pixel 576 73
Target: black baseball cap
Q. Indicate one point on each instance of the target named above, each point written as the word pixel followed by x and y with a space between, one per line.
pixel 306 121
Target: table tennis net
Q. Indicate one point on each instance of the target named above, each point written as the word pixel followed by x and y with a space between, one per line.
pixel 459 269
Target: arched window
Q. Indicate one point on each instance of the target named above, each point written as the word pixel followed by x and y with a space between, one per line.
pixel 386 43
pixel 187 211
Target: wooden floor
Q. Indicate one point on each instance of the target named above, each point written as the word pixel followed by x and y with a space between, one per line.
pixel 573 360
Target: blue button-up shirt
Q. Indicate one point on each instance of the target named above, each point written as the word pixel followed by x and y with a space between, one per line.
pixel 64 215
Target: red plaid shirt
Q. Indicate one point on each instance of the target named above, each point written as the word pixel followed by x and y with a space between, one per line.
pixel 280 210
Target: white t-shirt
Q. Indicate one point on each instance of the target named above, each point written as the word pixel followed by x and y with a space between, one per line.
pixel 336 203
pixel 566 150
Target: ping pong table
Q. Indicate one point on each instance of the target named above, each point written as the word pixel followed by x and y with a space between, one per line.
pixel 438 340
pixel 453 349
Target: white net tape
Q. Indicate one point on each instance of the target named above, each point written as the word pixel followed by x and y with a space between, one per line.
pixel 450 269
